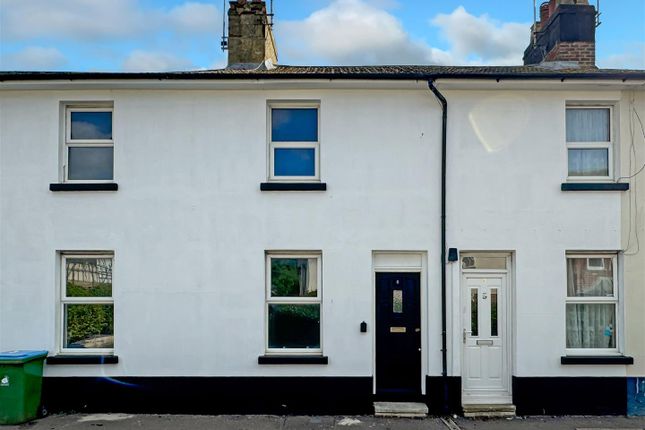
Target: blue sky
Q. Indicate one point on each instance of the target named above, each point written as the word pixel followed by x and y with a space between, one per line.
pixel 151 35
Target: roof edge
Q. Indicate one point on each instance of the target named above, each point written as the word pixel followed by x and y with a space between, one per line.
pixel 201 75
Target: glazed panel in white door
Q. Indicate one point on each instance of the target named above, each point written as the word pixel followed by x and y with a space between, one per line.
pixel 486 377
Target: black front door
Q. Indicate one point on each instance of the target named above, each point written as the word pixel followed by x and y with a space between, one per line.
pixel 398 334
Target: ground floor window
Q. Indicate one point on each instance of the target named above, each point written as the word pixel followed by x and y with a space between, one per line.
pixel 87 304
pixel 592 306
pixel 293 302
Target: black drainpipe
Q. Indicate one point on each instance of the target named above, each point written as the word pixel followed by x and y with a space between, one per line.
pixel 444 352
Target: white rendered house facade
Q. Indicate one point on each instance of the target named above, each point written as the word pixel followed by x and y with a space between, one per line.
pixel 194 236
pixel 268 238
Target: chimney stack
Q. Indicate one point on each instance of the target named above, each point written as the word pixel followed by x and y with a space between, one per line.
pixel 250 35
pixel 566 32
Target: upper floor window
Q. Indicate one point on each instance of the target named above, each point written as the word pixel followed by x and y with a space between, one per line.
pixel 89 148
pixel 294 145
pixel 592 303
pixel 589 142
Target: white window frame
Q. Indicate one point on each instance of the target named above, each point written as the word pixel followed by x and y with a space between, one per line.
pixel 609 146
pixel 64 300
pixel 300 145
pixel 292 301
pixel 615 300
pixel 83 143
pixel 592 267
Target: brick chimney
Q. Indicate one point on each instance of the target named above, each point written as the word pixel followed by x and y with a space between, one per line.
pixel 250 37
pixel 566 32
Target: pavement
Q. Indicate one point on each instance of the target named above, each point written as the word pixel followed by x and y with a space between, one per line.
pixel 268 422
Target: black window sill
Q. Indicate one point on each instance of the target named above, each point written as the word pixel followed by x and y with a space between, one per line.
pixel 610 359
pixel 293 359
pixel 293 186
pixel 83 359
pixel 593 186
pixel 83 187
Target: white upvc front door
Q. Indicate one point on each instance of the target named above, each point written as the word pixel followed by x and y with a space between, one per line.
pixel 486 375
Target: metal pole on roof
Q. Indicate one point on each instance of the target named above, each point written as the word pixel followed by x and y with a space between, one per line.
pixel 534 29
pixel 224 42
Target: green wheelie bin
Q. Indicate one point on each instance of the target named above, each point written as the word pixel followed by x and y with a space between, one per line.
pixel 21 380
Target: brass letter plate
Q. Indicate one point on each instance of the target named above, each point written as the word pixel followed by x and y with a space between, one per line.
pixel 398 329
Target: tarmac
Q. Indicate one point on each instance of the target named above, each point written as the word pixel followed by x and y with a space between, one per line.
pixel 269 422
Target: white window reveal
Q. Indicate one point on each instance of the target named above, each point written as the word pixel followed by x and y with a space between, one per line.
pixel 294 144
pixel 589 142
pixel 592 306
pixel 293 303
pixel 89 147
pixel 87 304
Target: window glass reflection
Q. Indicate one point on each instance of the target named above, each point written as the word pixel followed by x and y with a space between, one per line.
pixel 474 312
pixel 294 125
pixel 493 312
pixel 483 263
pixel 91 125
pixel 89 326
pixel 90 163
pixel 294 326
pixel 294 277
pixel 294 161
pixel 584 280
pixel 397 301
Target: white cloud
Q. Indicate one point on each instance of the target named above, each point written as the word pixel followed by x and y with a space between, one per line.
pixel 73 19
pixel 342 32
pixel 88 130
pixel 194 17
pixel 482 40
pixel 79 20
pixel 351 32
pixel 34 58
pixel 634 58
pixel 99 26
pixel 145 61
pixel 363 32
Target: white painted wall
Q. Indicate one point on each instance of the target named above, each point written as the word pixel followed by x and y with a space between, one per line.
pixel 189 225
pixel 508 159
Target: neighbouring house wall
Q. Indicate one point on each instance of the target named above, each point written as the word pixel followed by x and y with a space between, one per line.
pixel 189 225
pixel 633 222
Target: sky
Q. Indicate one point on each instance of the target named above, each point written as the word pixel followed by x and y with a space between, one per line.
pixel 161 35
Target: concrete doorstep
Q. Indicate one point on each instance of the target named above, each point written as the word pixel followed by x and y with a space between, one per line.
pixel 400 409
pixel 489 411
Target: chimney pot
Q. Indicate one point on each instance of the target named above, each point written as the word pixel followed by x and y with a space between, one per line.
pixel 544 13
pixel 552 7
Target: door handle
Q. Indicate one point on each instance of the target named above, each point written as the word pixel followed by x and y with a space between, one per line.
pixel 464 335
